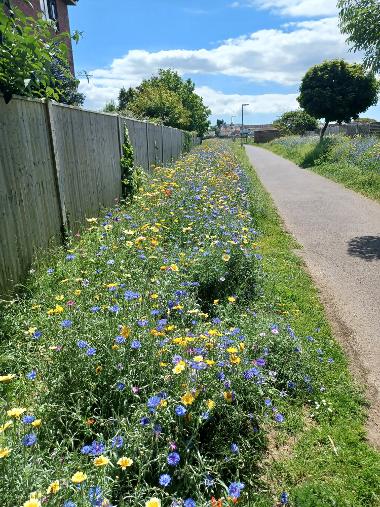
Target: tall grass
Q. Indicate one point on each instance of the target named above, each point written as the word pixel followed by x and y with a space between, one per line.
pixel 353 161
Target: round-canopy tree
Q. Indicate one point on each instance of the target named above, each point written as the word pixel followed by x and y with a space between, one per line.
pixel 337 91
pixel 296 122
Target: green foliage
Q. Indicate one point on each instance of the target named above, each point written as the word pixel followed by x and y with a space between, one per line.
pixel 337 91
pixel 110 107
pixel 33 60
pixel 168 99
pixel 132 176
pixel 353 161
pixel 360 20
pixel 188 142
pixel 296 122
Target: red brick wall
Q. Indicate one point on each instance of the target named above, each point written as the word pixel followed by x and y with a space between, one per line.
pixel 63 20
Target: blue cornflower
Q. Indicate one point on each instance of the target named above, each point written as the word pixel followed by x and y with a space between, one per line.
pixel 153 402
pixel 50 271
pixel 234 448
pixel 69 503
pixel 165 480
pixel 235 488
pixel 155 312
pixel 114 308
pixel 86 449
pixel 31 375
pixel 268 402
pixel 117 441
pixel 29 440
pixel 251 373
pixel 144 421
pixel 97 448
pixel 70 257
pixel 95 496
pixel 279 417
pixel 82 344
pixel 111 262
pixel 36 335
pixel 129 295
pixel 284 499
pixel 120 386
pixel 180 410
pixel 260 362
pixel 189 502
pixel 135 344
pixel 95 309
pixel 91 351
pixel 120 340
pixel 209 481
pixel 157 429
pixel 28 419
pixel 66 323
pixel 173 459
pixel 142 322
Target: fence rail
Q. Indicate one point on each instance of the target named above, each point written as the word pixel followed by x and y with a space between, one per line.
pixel 59 165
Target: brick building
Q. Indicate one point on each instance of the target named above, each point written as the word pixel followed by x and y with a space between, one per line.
pixel 56 10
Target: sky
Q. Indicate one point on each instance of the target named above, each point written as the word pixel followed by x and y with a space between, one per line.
pixel 243 51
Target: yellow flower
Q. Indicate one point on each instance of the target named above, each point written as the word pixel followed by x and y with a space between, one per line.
pixel 153 502
pixel 234 359
pixel 61 297
pixel 179 367
pixel 31 331
pixel 174 267
pixel 16 412
pixel 101 461
pixel 5 426
pixel 232 350
pixel 231 299
pixel 228 396
pixel 33 502
pixel 77 292
pixel 125 462
pixel 53 488
pixel 226 257
pixel 154 296
pixel 216 301
pixel 5 452
pixel 210 404
pixel 187 398
pixel 91 220
pixel 78 477
pixel 37 423
pixel 125 331
pixel 7 378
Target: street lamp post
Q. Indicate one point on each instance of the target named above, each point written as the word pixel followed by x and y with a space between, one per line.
pixel 231 119
pixel 242 121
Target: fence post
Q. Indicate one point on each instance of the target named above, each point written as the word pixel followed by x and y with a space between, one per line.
pixel 58 177
pixel 121 134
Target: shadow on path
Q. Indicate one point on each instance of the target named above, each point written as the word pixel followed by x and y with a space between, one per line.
pixel 365 247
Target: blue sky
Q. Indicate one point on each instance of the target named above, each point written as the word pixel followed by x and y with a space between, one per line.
pixel 253 51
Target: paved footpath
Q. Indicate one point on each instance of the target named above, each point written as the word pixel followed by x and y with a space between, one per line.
pixel 340 234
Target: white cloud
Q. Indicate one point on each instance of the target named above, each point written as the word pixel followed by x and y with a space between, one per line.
pixel 294 8
pixel 230 104
pixel 278 56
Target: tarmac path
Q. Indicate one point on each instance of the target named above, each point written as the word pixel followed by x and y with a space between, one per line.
pixel 339 231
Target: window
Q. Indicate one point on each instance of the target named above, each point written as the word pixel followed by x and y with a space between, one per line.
pixel 49 9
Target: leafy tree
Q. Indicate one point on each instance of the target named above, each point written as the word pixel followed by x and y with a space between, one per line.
pixel 110 107
pixel 296 122
pixel 125 98
pixel 33 59
pixel 337 91
pixel 169 99
pixel 360 20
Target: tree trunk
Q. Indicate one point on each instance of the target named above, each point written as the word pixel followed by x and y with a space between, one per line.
pixel 323 130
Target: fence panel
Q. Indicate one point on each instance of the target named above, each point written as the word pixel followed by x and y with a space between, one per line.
pixel 29 206
pixel 154 144
pixel 137 131
pixel 167 144
pixel 88 150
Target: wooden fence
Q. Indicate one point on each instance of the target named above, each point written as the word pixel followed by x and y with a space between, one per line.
pixel 59 165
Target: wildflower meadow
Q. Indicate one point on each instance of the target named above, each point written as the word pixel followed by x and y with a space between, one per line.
pixel 139 368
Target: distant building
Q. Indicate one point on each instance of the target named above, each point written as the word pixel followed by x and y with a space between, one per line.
pixel 249 130
pixel 56 10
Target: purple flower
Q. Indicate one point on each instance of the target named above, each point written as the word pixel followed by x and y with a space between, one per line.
pixel 165 480
pixel 173 459
pixel 29 440
pixel 144 421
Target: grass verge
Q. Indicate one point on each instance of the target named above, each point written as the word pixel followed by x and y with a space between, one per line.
pixel 323 461
pixel 353 162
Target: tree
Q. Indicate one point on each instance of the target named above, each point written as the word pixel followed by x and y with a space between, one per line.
pixel 33 59
pixel 169 99
pixel 296 122
pixel 360 20
pixel 337 91
pixel 125 98
pixel 110 107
